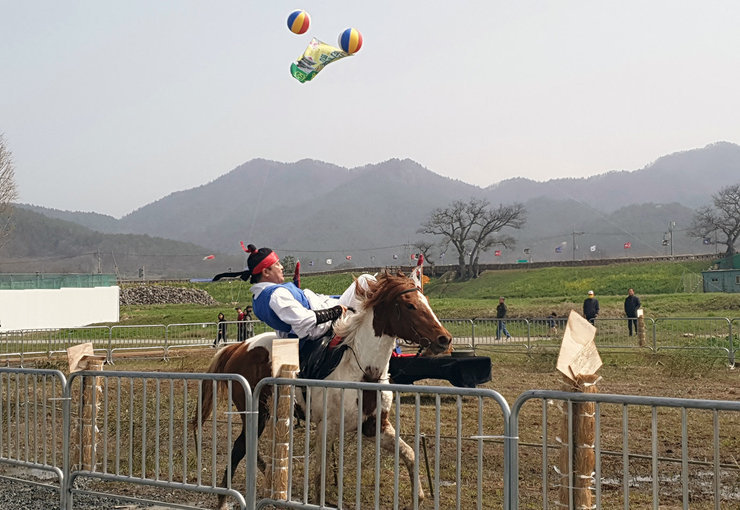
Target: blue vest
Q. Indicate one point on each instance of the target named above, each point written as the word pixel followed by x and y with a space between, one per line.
pixel 261 306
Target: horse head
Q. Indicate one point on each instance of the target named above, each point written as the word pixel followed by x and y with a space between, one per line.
pixel 402 311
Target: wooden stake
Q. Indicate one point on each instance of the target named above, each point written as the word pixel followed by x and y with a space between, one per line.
pixel 583 455
pixel 641 330
pixel 91 392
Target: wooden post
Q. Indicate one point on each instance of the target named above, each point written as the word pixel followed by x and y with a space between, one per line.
pixel 583 457
pixel 641 332
pixel 284 365
pixel 578 361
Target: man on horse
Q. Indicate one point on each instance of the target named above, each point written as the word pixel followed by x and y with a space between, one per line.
pixel 290 310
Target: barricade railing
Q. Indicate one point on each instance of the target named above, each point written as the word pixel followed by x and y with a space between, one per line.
pixel 470 450
pixel 710 334
pixel 492 333
pixel 99 336
pixel 144 435
pixel 713 335
pixel 648 452
pixel 33 409
pixel 462 331
pixel 138 338
pixel 614 334
pixel 459 438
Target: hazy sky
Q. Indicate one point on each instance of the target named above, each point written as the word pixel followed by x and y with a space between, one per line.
pixel 109 105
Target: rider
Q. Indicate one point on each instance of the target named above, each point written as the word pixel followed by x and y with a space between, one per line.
pixel 288 309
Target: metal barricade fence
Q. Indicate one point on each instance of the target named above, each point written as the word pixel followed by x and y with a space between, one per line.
pixel 99 336
pixel 487 334
pixel 649 452
pixel 710 334
pixel 133 338
pixel 143 435
pixel 613 333
pixel 26 342
pixel 461 460
pixel 462 331
pixel 735 323
pixel 199 334
pixel 32 416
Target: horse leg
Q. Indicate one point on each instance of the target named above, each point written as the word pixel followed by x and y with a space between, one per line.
pixel 237 454
pixel 388 443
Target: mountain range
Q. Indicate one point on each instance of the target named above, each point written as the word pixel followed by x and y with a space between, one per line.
pixel 317 211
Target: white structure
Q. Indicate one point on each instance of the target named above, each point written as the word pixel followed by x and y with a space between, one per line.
pixel 68 307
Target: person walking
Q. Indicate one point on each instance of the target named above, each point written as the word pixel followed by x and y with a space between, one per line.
pixel 500 315
pixel 631 305
pixel 590 307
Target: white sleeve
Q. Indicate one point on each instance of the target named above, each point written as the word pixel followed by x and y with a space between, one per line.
pixel 301 320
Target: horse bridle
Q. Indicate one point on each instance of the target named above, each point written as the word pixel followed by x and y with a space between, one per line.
pixel 398 313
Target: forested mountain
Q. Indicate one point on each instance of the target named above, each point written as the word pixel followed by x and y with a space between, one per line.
pixel 50 245
pixel 317 211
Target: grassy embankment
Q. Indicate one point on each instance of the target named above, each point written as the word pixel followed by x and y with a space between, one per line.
pixel 666 289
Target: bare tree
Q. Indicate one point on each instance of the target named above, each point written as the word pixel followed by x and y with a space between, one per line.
pixel 425 248
pixel 470 227
pixel 723 217
pixel 8 192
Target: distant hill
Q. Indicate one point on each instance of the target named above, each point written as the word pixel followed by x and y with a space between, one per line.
pixel 317 211
pixel 688 178
pixel 39 243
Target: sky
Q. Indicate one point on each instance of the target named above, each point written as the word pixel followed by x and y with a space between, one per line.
pixel 110 105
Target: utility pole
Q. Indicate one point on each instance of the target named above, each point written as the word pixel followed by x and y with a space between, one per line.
pixel 670 231
pixel 574 233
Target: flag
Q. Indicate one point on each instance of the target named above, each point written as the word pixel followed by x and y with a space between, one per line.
pixel 497 253
pixel 348 257
pixel 420 259
pixel 627 245
pixel 593 248
pixel 558 249
pixel 297 274
pixel 328 262
pixel 209 257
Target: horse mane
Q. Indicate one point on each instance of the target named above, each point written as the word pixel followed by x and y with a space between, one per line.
pixel 386 287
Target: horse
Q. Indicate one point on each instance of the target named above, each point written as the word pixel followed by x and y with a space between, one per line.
pixel 391 307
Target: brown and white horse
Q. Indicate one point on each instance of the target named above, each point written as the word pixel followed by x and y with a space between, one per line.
pixel 392 307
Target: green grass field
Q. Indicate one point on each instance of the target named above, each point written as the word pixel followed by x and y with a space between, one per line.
pixel 667 289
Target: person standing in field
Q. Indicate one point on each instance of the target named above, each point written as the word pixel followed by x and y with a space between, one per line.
pixel 221 334
pixel 631 305
pixel 590 307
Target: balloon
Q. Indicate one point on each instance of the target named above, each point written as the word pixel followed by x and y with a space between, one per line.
pixel 298 22
pixel 317 55
pixel 350 40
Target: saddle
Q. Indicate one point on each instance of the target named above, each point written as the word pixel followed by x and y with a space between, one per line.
pixel 318 358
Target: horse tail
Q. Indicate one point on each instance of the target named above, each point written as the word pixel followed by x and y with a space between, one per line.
pixel 217 366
